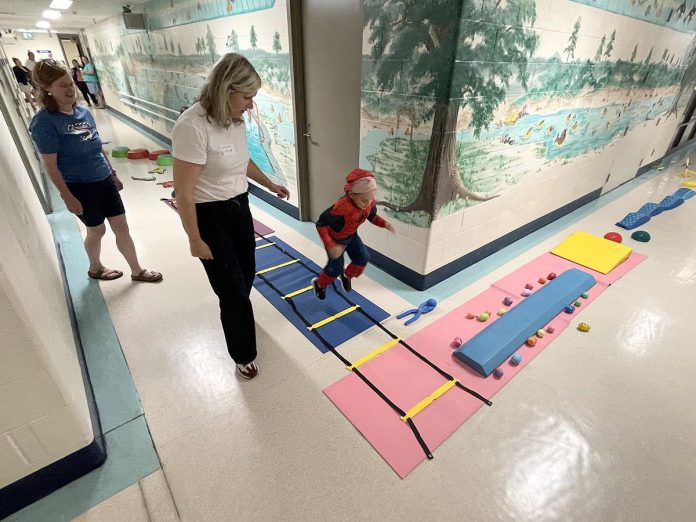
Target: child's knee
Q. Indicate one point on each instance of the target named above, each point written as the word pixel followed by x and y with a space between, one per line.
pixel 354 270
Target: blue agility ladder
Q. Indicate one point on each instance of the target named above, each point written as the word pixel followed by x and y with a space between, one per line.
pixel 284 280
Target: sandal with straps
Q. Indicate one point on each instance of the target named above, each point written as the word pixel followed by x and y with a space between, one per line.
pixel 153 277
pixel 105 274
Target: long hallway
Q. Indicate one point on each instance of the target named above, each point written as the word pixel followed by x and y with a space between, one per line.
pixel 597 428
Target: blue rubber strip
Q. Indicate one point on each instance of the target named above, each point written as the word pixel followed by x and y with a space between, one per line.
pixel 492 346
pixel 294 277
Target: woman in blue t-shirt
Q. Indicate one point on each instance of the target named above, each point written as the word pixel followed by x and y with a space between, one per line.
pixel 71 150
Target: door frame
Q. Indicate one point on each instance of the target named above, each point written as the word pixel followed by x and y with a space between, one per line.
pixel 297 75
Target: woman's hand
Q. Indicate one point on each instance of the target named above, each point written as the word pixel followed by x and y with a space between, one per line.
pixel 335 251
pixel 200 249
pixel 73 204
pixel 389 227
pixel 280 191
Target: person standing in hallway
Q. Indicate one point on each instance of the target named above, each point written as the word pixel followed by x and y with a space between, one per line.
pixel 81 84
pixel 211 167
pixel 71 151
pixel 30 62
pixel 23 76
pixel 89 75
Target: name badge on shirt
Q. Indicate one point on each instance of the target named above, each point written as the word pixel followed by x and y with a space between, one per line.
pixel 226 149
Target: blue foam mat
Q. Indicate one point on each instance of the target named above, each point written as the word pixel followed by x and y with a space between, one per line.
pixel 294 277
pixel 489 348
pixel 650 210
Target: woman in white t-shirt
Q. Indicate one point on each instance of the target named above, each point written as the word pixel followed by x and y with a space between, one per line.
pixel 211 166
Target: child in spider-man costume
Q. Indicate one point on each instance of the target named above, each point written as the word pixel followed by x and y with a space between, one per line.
pixel 338 229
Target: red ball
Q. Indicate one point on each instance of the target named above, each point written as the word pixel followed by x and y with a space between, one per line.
pixel 613 236
pixel 551 276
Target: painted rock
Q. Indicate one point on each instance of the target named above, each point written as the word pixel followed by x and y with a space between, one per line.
pixel 516 359
pixel 585 295
pixel 550 329
pixel 529 286
pixel 483 317
pixel 507 301
pixel 542 281
pixel 498 373
pixel 531 342
pixel 540 333
pixel 584 327
pixel 569 309
pixel 551 276
pixel 526 293
pixel 578 303
pixel 470 315
pixel 502 311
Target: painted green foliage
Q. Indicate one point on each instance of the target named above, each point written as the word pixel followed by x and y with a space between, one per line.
pixel 252 37
pixel 424 40
pixel 573 40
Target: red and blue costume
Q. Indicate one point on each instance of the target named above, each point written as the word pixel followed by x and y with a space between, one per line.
pixel 338 225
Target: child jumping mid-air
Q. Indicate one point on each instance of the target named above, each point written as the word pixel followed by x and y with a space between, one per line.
pixel 338 229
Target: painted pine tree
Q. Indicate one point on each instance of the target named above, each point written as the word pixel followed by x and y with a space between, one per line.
pixel 573 40
pixel 252 37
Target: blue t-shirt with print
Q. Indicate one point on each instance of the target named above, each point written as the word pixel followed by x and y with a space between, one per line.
pixel 75 140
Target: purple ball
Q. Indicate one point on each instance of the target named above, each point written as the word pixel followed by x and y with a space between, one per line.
pixel 507 301
pixel 526 293
pixel 498 373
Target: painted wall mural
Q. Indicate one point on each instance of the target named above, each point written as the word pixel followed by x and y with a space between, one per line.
pixel 464 100
pixel 152 75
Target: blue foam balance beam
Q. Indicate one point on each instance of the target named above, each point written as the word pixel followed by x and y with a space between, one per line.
pixel 487 350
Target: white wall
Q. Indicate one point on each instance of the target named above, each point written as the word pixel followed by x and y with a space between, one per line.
pixel 17 48
pixel 43 407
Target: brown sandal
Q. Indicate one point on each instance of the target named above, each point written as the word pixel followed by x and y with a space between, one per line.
pixel 154 277
pixel 105 274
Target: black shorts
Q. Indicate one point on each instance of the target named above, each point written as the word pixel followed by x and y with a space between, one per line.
pixel 99 199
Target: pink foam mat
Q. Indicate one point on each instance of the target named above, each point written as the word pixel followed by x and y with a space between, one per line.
pixel 406 380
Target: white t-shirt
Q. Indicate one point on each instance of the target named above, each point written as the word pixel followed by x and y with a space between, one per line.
pixel 29 64
pixel 223 153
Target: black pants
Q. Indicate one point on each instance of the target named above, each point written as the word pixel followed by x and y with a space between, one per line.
pixel 85 93
pixel 228 229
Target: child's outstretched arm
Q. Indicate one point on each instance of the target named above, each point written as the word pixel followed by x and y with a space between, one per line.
pixel 379 220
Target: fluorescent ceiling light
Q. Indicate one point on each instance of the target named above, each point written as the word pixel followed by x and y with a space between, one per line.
pixel 61 4
pixel 51 14
pixel 44 24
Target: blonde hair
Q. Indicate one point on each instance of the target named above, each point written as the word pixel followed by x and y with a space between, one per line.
pixel 44 74
pixel 233 73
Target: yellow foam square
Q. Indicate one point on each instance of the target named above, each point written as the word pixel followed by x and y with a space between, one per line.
pixel 595 253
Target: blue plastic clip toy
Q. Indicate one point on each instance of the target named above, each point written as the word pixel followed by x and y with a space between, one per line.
pixel 423 308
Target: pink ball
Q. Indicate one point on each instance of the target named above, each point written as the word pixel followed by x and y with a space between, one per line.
pixel 456 342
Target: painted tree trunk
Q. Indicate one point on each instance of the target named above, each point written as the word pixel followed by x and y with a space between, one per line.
pixel 441 181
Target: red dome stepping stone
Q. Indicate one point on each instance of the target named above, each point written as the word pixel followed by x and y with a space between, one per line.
pixel 156 153
pixel 134 154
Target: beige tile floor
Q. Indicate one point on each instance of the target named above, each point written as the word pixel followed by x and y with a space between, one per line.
pixel 600 427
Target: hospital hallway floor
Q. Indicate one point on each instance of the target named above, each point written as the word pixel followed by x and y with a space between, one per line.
pixel 598 427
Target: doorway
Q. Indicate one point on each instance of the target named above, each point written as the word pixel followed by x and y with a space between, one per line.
pixel 331 66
